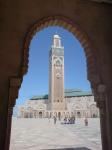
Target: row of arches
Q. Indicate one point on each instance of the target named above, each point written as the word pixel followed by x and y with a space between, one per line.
pixel 44 114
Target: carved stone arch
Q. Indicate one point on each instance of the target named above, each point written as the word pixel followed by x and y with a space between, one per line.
pixel 92 106
pixel 93 110
pixel 77 106
pixel 75 29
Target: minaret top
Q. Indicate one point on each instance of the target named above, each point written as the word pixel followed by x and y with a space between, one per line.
pixel 56 36
pixel 56 41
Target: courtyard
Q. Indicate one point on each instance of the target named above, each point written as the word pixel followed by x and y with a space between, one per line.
pixel 43 134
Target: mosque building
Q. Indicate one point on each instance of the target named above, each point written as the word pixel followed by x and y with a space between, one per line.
pixel 59 102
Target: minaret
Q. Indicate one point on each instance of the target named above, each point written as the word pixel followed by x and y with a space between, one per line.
pixel 56 75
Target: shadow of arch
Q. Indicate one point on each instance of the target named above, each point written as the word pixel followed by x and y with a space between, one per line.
pixel 79 148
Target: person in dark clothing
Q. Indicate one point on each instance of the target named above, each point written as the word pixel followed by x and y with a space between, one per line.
pixel 55 119
pixel 86 121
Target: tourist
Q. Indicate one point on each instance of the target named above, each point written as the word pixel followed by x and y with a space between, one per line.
pixel 55 119
pixel 86 121
pixel 65 120
pixel 73 119
pixel 69 120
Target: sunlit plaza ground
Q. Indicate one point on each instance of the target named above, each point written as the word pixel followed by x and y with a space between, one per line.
pixel 42 134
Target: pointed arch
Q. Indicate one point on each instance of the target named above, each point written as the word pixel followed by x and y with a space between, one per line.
pixel 74 28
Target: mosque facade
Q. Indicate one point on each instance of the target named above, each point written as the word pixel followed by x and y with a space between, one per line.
pixel 59 102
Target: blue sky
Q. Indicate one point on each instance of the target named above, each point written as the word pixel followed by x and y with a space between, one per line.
pixel 35 82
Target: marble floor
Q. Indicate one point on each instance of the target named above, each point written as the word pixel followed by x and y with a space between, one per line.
pixel 42 134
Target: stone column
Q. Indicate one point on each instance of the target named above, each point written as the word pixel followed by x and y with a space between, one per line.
pixel 101 99
pixel 103 125
pixel 13 94
pixel 3 119
pixel 9 122
pixel 109 115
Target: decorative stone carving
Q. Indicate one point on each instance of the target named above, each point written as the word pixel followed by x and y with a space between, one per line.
pixel 100 96
pixel 15 84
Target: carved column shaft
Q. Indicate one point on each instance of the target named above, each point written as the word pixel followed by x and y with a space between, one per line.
pixel 103 125
pixel 13 94
pixel 100 94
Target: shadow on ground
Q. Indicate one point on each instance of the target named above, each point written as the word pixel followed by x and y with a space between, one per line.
pixel 79 148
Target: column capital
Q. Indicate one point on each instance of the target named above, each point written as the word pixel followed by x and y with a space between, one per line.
pixel 99 92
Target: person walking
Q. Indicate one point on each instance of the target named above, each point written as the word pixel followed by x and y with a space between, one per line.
pixel 73 119
pixel 65 120
pixel 86 121
pixel 55 119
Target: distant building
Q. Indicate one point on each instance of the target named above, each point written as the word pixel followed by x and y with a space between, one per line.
pixel 72 102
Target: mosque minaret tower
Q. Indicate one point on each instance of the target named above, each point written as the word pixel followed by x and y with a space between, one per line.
pixel 59 103
pixel 56 75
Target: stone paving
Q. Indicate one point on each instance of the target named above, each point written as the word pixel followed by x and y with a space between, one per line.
pixel 42 134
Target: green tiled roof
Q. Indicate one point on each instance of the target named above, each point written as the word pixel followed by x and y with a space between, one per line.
pixel 68 93
pixel 39 97
pixel 77 93
pixel 72 90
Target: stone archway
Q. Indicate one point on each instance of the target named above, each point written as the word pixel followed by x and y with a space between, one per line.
pixel 93 75
pixel 92 72
pixel 17 17
pixel 78 114
pixel 75 30
pixel 40 114
pixel 93 111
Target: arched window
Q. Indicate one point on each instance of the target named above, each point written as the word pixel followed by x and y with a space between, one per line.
pixel 58 62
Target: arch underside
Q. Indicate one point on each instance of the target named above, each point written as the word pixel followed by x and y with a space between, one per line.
pixel 72 27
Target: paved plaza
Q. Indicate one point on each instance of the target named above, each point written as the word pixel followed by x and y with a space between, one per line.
pixel 42 134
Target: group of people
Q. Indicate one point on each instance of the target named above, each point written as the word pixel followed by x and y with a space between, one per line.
pixel 69 120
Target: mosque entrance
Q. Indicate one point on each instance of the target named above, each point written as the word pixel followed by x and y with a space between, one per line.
pixel 40 114
pixel 78 114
